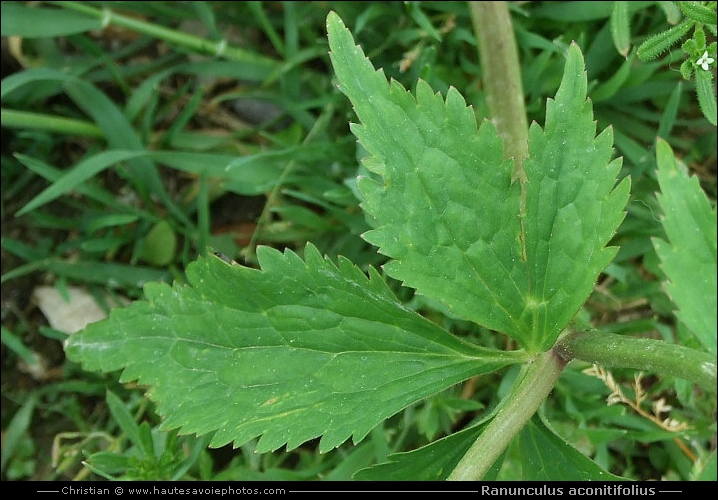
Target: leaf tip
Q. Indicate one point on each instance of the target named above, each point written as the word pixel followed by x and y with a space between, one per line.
pixel 333 17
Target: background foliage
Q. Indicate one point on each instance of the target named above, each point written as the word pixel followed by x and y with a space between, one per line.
pixel 135 138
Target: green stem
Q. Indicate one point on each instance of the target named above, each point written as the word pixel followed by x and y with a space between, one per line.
pixel 192 42
pixel 501 78
pixel 526 396
pixel 612 350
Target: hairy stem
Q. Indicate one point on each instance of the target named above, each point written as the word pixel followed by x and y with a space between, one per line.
pixel 612 350
pixel 529 391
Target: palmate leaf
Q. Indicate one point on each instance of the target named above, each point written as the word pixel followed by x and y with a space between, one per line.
pixel 689 256
pixel 296 350
pixel 449 216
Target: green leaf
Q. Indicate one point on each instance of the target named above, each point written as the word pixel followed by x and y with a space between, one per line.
pixel 670 112
pixel 708 470
pixel 573 206
pixel 422 20
pixel 34 22
pixel 609 88
pixel 296 350
pixel 699 36
pixel 706 96
pixel 16 345
pixel 109 463
pixel 544 457
pixel 657 44
pixel 27 120
pixel 671 10
pixel 75 176
pixel 689 256
pixel 125 420
pixel 433 462
pixel 449 216
pixel 620 28
pixel 689 46
pixel 16 428
pixel 90 190
pixel 548 457
pixel 572 12
pixel 357 458
pixel 160 245
pixel 698 13
pixel 686 69
pixel 118 131
pixel 105 273
pixel 259 173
